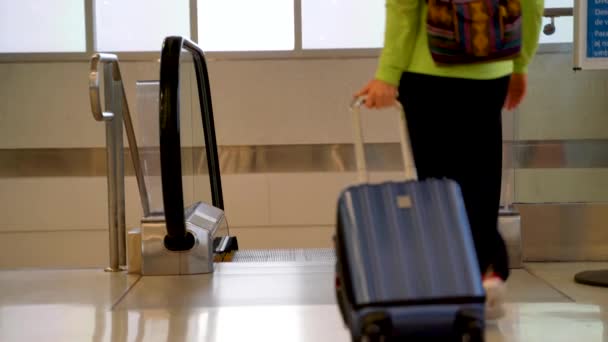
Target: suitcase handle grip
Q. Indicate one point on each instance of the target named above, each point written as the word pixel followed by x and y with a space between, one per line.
pixel 406 152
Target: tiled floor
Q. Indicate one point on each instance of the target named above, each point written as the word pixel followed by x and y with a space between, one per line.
pixel 561 275
pixel 63 287
pixel 245 304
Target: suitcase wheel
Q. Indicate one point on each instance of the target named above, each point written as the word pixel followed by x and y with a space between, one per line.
pixel 470 326
pixel 474 333
pixel 376 326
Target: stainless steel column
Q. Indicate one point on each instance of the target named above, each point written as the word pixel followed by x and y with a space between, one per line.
pixel 117 110
pixel 115 170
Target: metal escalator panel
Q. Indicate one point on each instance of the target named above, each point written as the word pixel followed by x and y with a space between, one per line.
pixel 305 255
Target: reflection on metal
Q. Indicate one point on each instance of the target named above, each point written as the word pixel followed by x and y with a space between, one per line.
pixel 509 226
pixel 90 162
pixel 134 253
pixel 561 154
pixel 54 162
pixel 564 232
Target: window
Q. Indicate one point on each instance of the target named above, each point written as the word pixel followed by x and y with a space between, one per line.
pixel 246 25
pixel 139 25
pixel 31 26
pixel 36 26
pixel 564 26
pixel 342 24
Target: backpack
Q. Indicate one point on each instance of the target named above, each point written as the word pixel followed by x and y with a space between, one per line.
pixel 474 31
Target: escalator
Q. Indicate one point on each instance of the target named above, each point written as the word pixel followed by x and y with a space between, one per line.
pixel 177 238
pixel 194 240
pixel 171 239
pixel 190 240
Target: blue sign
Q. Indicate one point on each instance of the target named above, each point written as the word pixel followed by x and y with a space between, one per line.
pixel 597 28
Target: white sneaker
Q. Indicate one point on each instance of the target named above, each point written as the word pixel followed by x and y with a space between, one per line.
pixel 496 291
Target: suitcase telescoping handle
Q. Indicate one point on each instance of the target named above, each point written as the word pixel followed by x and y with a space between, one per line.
pixel 406 151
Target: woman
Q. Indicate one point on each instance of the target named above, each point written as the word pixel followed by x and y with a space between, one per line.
pixel 454 118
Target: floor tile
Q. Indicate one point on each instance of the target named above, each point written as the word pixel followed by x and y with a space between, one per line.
pixel 251 302
pixel 561 277
pixel 526 288
pixel 536 322
pixel 236 285
pixel 280 284
pixel 63 287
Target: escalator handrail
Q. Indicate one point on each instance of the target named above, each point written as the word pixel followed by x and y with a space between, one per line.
pixel 170 144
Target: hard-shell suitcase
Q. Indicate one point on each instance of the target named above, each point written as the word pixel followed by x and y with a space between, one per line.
pixel 406 265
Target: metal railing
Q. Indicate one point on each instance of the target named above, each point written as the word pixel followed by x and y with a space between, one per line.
pixel 558 12
pixel 116 111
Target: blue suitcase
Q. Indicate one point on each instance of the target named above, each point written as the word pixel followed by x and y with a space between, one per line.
pixel 406 265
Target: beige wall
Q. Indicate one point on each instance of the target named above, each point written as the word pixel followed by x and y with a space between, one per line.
pixel 61 222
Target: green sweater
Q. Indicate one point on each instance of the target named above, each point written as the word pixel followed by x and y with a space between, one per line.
pixel 406 45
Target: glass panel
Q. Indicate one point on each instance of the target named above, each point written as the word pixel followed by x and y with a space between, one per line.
pixel 338 24
pixel 139 25
pixel 564 26
pixel 42 26
pixel 193 138
pixel 246 25
pixel 564 33
pixel 147 140
pixel 187 126
pixel 195 176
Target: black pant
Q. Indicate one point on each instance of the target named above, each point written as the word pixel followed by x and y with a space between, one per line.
pixel 456 132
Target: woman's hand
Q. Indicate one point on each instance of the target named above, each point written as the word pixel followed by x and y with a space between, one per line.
pixel 518 86
pixel 379 94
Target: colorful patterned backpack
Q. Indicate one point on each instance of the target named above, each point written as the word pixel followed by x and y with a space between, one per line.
pixel 474 31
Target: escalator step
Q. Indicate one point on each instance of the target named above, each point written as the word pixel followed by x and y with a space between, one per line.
pixel 324 255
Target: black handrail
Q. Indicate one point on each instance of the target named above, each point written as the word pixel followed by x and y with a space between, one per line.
pixel 178 239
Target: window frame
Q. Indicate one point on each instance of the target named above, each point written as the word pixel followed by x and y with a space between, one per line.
pixel 58 56
pixel 297 53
